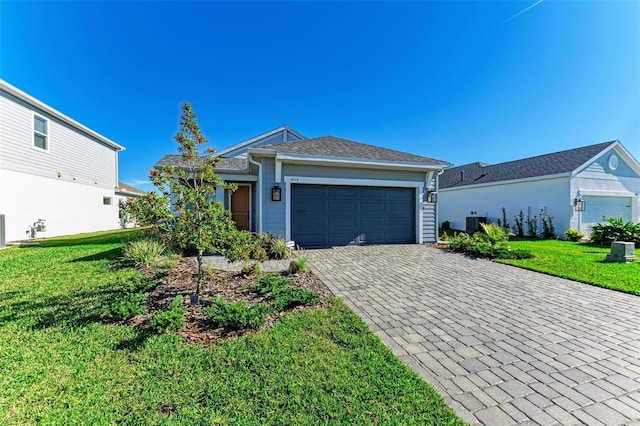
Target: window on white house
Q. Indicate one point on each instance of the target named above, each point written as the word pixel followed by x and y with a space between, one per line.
pixel 106 201
pixel 40 132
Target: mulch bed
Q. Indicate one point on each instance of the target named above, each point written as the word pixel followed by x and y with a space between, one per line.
pixel 230 286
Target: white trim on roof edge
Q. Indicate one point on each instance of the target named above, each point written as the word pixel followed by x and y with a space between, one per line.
pixel 507 182
pixel 344 161
pixel 25 97
pixel 620 150
pixel 285 128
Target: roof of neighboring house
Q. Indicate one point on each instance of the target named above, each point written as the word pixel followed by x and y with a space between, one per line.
pixel 235 163
pixel 542 165
pixel 28 99
pixel 125 189
pixel 330 146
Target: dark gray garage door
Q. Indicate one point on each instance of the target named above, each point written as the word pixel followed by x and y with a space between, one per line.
pixel 331 215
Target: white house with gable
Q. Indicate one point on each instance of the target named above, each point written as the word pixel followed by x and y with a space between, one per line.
pixel 57 177
pixel 577 188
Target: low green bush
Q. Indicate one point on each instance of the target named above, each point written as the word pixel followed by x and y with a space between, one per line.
pixel 269 283
pixel 143 252
pixel 170 320
pixel 289 297
pixel 141 284
pixel 297 265
pixel 480 245
pixel 242 246
pixel 573 235
pixel 275 247
pixel 126 306
pixel 616 229
pixel 236 316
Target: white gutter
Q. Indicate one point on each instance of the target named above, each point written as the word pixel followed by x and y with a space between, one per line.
pixel 437 209
pixel 258 189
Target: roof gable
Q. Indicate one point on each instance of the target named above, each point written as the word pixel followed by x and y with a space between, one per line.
pixel 542 165
pixel 281 134
pixel 330 146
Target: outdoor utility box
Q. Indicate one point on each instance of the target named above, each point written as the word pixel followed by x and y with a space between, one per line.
pixel 473 223
pixel 621 251
pixel 3 240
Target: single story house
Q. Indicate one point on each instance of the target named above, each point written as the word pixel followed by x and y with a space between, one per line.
pixel 577 188
pixel 123 193
pixel 327 191
pixel 57 176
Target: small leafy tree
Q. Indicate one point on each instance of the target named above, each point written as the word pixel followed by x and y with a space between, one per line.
pixel 518 227
pixel 184 211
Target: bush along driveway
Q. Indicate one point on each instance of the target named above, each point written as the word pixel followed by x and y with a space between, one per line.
pixel 503 345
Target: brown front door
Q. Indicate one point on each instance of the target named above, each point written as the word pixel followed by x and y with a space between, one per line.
pixel 240 207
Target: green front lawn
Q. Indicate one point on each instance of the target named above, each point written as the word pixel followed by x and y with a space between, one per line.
pixel 578 261
pixel 61 364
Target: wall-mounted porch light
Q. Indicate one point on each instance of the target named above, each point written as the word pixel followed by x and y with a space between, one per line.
pixel 579 204
pixel 432 196
pixel 276 193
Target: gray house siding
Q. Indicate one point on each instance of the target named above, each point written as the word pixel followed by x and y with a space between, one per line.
pixel 72 156
pixel 274 212
pixel 277 138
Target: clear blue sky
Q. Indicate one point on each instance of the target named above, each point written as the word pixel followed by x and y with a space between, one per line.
pixel 457 81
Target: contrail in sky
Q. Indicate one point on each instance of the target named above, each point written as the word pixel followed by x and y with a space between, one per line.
pixel 523 11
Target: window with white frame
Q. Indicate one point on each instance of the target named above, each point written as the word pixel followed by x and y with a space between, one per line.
pixel 40 132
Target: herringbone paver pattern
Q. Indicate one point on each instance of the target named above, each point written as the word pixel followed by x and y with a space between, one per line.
pixel 502 345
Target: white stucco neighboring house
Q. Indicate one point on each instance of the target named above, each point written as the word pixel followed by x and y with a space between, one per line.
pixel 327 191
pixel 57 176
pixel 605 177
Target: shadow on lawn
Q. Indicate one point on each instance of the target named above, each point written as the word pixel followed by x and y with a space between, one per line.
pixel 72 310
pixel 112 254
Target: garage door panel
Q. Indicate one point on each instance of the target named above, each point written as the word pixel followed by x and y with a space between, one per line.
pixel 341 192
pixel 338 207
pixel 372 192
pixel 344 215
pixel 372 207
pixel 340 222
pixel 597 209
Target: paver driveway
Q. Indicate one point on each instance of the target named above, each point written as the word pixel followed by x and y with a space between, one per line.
pixel 502 345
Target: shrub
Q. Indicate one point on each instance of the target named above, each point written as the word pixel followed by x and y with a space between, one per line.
pixel 573 235
pixel 505 223
pixel 251 269
pixel 479 245
pixel 126 306
pixel 297 265
pixel 548 230
pixel 495 234
pixel 238 315
pixel 170 320
pixel 269 283
pixel 518 227
pixel 243 246
pixel 615 230
pixel 446 225
pixel 289 297
pixel 276 248
pixel 143 252
pixel 141 284
pixel 532 226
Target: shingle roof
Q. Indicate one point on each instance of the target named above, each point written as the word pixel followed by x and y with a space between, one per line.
pixel 236 163
pixel 542 165
pixel 329 146
pixel 128 189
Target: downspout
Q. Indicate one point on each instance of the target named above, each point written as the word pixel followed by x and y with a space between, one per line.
pixel 427 182
pixel 258 189
pixel 440 172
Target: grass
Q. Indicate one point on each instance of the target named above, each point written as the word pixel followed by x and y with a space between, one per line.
pixel 579 262
pixel 60 364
